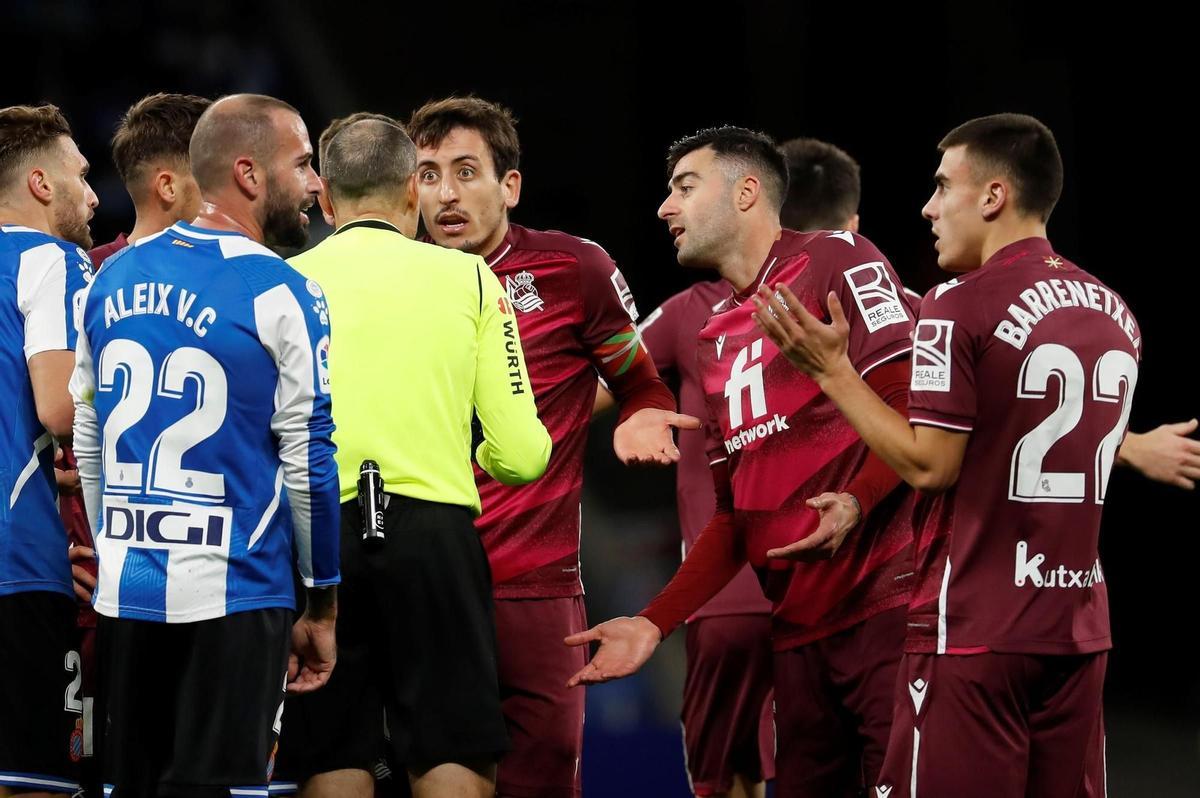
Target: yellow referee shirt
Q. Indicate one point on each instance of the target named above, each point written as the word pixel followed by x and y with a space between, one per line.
pixel 425 336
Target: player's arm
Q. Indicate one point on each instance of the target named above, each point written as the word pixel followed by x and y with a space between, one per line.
pixel 841 512
pixel 657 332
pixel 627 643
pixel 86 426
pixel 928 458
pixel 303 426
pixel 1164 454
pixel 516 446
pixel 48 283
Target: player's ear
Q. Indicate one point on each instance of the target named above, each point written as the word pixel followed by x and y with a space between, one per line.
pixel 749 191
pixel 248 177
pixel 39 185
pixel 164 186
pixel 510 184
pixel 994 199
pixel 325 202
pixel 410 193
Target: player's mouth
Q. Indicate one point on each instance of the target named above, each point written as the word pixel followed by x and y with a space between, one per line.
pixel 677 233
pixel 451 222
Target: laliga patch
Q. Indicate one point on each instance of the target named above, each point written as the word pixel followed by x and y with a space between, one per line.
pixel 931 356
pixel 313 288
pixel 323 363
pixel 624 294
pixel 876 295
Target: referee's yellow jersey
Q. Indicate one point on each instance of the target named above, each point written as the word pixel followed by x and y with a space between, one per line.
pixel 425 336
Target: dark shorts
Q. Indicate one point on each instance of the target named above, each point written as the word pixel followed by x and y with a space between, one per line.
pixel 833 708
pixel 1001 725
pixel 41 721
pixel 544 716
pixel 416 636
pixel 192 709
pixel 728 722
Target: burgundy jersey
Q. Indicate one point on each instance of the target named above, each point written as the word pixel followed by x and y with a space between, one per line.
pixel 569 299
pixel 669 332
pixel 786 442
pixel 1037 361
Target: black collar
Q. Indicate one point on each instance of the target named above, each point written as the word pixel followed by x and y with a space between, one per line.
pixel 377 224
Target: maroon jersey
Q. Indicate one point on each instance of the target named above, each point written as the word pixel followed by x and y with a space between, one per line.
pixel 786 442
pixel 669 332
pixel 570 299
pixel 1037 361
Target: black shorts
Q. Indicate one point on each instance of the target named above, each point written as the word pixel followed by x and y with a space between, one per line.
pixel 416 634
pixel 192 709
pixel 41 720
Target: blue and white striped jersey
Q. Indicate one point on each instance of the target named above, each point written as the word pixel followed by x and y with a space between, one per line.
pixel 201 393
pixel 42 278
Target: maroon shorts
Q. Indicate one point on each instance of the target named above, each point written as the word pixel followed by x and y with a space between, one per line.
pixel 728 723
pixel 544 717
pixel 833 708
pixel 1002 725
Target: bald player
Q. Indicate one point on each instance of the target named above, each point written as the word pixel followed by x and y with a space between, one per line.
pixel 203 358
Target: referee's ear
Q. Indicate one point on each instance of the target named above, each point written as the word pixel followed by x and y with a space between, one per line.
pixel 410 195
pixel 325 203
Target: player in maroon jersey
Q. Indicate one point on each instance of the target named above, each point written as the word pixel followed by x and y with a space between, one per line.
pixel 576 317
pixel 798 495
pixel 727 717
pixel 1022 379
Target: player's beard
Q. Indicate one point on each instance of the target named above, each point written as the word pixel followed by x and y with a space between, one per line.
pixel 707 237
pixel 281 225
pixel 71 225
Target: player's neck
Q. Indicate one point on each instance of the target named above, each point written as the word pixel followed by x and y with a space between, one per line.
pixel 23 215
pixel 1009 232
pixel 151 221
pixel 493 241
pixel 405 222
pixel 747 254
pixel 215 216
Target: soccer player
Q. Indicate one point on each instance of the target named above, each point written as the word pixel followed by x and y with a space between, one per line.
pixel 202 395
pixel 45 206
pixel 415 625
pixel 577 318
pixel 1022 380
pixel 150 150
pixel 728 722
pixel 798 494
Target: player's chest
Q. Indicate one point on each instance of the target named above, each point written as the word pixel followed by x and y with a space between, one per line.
pixel 547 301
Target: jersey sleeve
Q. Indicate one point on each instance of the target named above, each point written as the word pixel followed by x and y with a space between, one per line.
pixel 872 297
pixel 516 446
pixel 942 392
pixel 297 340
pixel 608 307
pixel 50 284
pixel 660 333
pixel 86 425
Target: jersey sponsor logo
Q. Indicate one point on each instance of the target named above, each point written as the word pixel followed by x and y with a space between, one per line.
pixel 523 293
pixel 155 299
pixel 743 378
pixel 751 434
pixel 514 362
pixel 323 364
pixel 1046 296
pixel 931 355
pixel 164 526
pixel 1029 571
pixel 504 306
pixel 876 295
pixel 624 294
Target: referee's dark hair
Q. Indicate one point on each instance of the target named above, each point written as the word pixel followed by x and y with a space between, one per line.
pixel 744 149
pixel 825 186
pixel 1021 148
pixel 369 158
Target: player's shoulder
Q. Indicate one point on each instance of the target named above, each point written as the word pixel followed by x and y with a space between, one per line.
pixel 584 251
pixel 834 246
pixel 17 238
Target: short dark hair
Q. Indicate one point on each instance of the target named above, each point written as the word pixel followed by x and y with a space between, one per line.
pixel 825 185
pixel 1022 148
pixel 341 123
pixel 434 120
pixel 751 149
pixel 367 158
pixel 221 130
pixel 26 131
pixel 156 126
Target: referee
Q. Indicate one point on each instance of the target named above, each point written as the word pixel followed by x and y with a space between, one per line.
pixel 426 336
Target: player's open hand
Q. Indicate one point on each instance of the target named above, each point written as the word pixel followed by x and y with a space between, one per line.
pixel 647 437
pixel 1165 454
pixel 816 348
pixel 314 652
pixel 83 571
pixel 625 645
pixel 839 514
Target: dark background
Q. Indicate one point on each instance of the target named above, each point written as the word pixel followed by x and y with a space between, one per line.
pixel 602 88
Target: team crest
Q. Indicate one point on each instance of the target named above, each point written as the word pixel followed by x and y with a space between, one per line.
pixel 523 293
pixel 76 745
